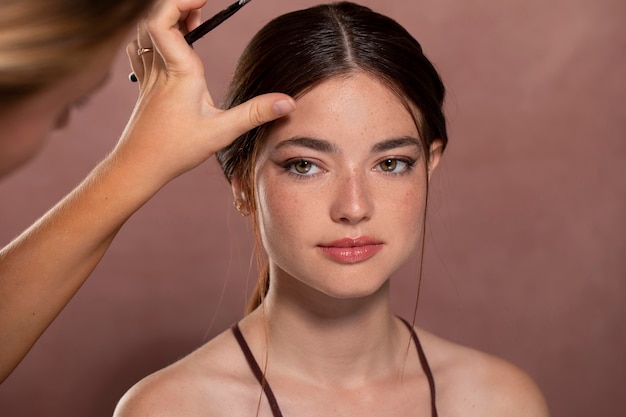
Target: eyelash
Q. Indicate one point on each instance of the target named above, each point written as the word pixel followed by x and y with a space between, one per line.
pixel 406 165
pixel 290 167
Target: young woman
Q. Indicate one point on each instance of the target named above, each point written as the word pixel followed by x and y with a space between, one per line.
pixel 337 192
pixel 52 54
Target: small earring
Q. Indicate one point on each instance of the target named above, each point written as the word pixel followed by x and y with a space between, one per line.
pixel 239 207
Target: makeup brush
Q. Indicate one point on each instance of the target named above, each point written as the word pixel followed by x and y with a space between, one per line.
pixel 214 22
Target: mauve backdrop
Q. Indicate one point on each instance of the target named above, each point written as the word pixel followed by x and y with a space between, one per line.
pixel 526 247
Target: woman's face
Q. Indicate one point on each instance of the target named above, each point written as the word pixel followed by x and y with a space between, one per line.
pixel 341 188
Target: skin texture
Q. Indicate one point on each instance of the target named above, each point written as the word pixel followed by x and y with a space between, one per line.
pixel 325 335
pixel 174 127
pixel 346 193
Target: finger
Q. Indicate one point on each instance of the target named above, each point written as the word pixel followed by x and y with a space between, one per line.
pixel 136 64
pixel 193 20
pixel 255 112
pixel 145 41
pixel 165 26
pixel 143 38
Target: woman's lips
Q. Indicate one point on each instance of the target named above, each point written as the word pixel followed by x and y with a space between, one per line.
pixel 350 251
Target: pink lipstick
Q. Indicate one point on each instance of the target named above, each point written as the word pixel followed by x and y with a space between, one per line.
pixel 351 251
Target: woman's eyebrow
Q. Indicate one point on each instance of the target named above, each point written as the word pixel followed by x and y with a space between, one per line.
pixel 393 143
pixel 325 146
pixel 311 143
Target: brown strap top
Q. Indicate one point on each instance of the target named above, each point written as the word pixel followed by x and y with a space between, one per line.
pixel 258 373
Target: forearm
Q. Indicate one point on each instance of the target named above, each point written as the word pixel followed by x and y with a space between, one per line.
pixel 43 268
pixel 174 127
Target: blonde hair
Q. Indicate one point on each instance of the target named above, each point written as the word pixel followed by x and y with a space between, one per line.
pixel 42 41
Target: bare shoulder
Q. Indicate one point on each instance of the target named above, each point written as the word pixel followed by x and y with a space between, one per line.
pixel 161 394
pixel 197 385
pixel 473 383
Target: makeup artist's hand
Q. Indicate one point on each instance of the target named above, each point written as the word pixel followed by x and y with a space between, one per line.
pixel 175 125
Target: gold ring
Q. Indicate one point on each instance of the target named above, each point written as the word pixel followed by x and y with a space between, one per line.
pixel 142 51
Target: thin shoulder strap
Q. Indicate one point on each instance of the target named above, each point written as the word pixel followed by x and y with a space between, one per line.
pixel 258 373
pixel 256 370
pixel 425 367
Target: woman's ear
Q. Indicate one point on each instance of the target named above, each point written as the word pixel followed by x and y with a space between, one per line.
pixel 435 152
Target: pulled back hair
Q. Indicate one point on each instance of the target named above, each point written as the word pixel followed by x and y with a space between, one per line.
pixel 42 41
pixel 299 50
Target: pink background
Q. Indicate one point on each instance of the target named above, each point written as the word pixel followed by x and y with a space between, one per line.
pixel 526 247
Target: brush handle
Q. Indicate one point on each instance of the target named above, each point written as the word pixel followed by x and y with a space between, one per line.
pixel 213 22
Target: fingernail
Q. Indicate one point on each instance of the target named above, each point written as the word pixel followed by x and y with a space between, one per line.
pixel 282 107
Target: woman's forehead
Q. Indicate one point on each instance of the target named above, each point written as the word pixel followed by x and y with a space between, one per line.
pixel 358 105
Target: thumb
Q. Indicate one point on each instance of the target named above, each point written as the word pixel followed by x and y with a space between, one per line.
pixel 257 111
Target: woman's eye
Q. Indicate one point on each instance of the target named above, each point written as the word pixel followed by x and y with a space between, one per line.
pixel 394 166
pixel 302 167
pixel 389 165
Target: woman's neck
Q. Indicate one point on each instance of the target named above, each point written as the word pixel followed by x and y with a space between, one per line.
pixel 344 341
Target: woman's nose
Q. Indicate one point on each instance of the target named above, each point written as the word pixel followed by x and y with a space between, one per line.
pixel 352 199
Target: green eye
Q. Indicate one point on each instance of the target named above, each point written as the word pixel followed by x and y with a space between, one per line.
pixel 389 165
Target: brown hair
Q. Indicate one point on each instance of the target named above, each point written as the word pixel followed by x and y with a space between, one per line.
pixel 299 50
pixel 42 41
